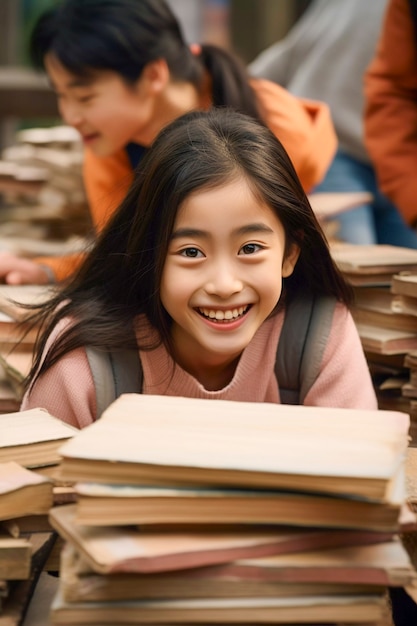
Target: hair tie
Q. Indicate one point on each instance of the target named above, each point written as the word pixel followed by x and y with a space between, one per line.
pixel 195 49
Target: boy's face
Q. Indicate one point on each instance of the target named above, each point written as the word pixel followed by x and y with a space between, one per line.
pixel 107 112
pixel 223 274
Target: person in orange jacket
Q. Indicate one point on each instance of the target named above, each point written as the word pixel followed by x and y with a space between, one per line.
pixel 122 71
pixel 391 107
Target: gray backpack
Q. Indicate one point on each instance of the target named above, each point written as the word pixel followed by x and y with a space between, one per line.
pixel 300 350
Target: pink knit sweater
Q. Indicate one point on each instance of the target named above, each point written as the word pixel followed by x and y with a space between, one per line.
pixel 67 389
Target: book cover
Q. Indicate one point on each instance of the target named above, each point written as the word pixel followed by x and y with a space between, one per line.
pixel 386 340
pixel 221 444
pixel 23 492
pixel 15 557
pixel 32 438
pixel 405 283
pixel 373 259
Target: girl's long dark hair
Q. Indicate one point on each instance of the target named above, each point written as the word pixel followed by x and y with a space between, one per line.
pixel 120 278
pixel 123 36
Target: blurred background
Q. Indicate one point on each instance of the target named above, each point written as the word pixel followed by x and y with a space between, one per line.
pixel 43 206
pixel 246 26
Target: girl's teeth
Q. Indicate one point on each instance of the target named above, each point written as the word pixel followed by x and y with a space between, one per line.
pixel 223 315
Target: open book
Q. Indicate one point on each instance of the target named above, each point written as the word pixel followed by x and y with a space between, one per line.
pixel 160 440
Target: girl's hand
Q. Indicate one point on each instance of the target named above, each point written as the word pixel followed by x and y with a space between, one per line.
pixel 15 270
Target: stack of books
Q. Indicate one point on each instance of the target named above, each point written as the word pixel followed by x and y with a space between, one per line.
pixel 404 302
pixel 17 339
pixel 384 280
pixel 386 318
pixel 33 438
pixel 41 182
pixel 387 336
pixel 22 493
pixel 372 265
pixel 200 511
pixel 29 486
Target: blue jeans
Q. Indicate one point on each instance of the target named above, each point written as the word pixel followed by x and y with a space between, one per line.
pixel 378 222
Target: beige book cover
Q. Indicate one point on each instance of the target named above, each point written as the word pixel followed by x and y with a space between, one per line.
pixel 23 492
pixel 405 283
pixel 373 259
pixel 166 441
pixel 15 557
pixel 386 340
pixel 385 319
pixel 32 438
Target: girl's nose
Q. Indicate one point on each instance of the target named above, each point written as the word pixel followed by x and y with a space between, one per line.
pixel 223 283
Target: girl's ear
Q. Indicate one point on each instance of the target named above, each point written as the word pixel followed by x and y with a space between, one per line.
pixel 290 260
pixel 156 75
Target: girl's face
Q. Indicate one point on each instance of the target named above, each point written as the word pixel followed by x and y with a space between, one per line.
pixel 222 276
pixel 107 112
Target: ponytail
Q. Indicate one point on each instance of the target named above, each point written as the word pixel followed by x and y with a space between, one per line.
pixel 230 80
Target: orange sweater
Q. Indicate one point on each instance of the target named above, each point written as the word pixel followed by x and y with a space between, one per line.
pixel 391 109
pixel 304 127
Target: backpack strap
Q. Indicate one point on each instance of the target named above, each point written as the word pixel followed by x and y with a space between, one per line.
pixel 304 336
pixel 301 345
pixel 114 373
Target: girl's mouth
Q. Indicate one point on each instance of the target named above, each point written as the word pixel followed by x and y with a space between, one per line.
pixel 90 138
pixel 223 316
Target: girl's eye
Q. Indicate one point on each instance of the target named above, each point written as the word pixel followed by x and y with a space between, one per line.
pixel 192 253
pixel 85 99
pixel 250 248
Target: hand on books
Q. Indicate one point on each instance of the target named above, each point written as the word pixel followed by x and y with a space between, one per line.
pixel 15 270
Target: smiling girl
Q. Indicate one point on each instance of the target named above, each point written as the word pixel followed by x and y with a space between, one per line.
pixel 122 71
pixel 196 272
